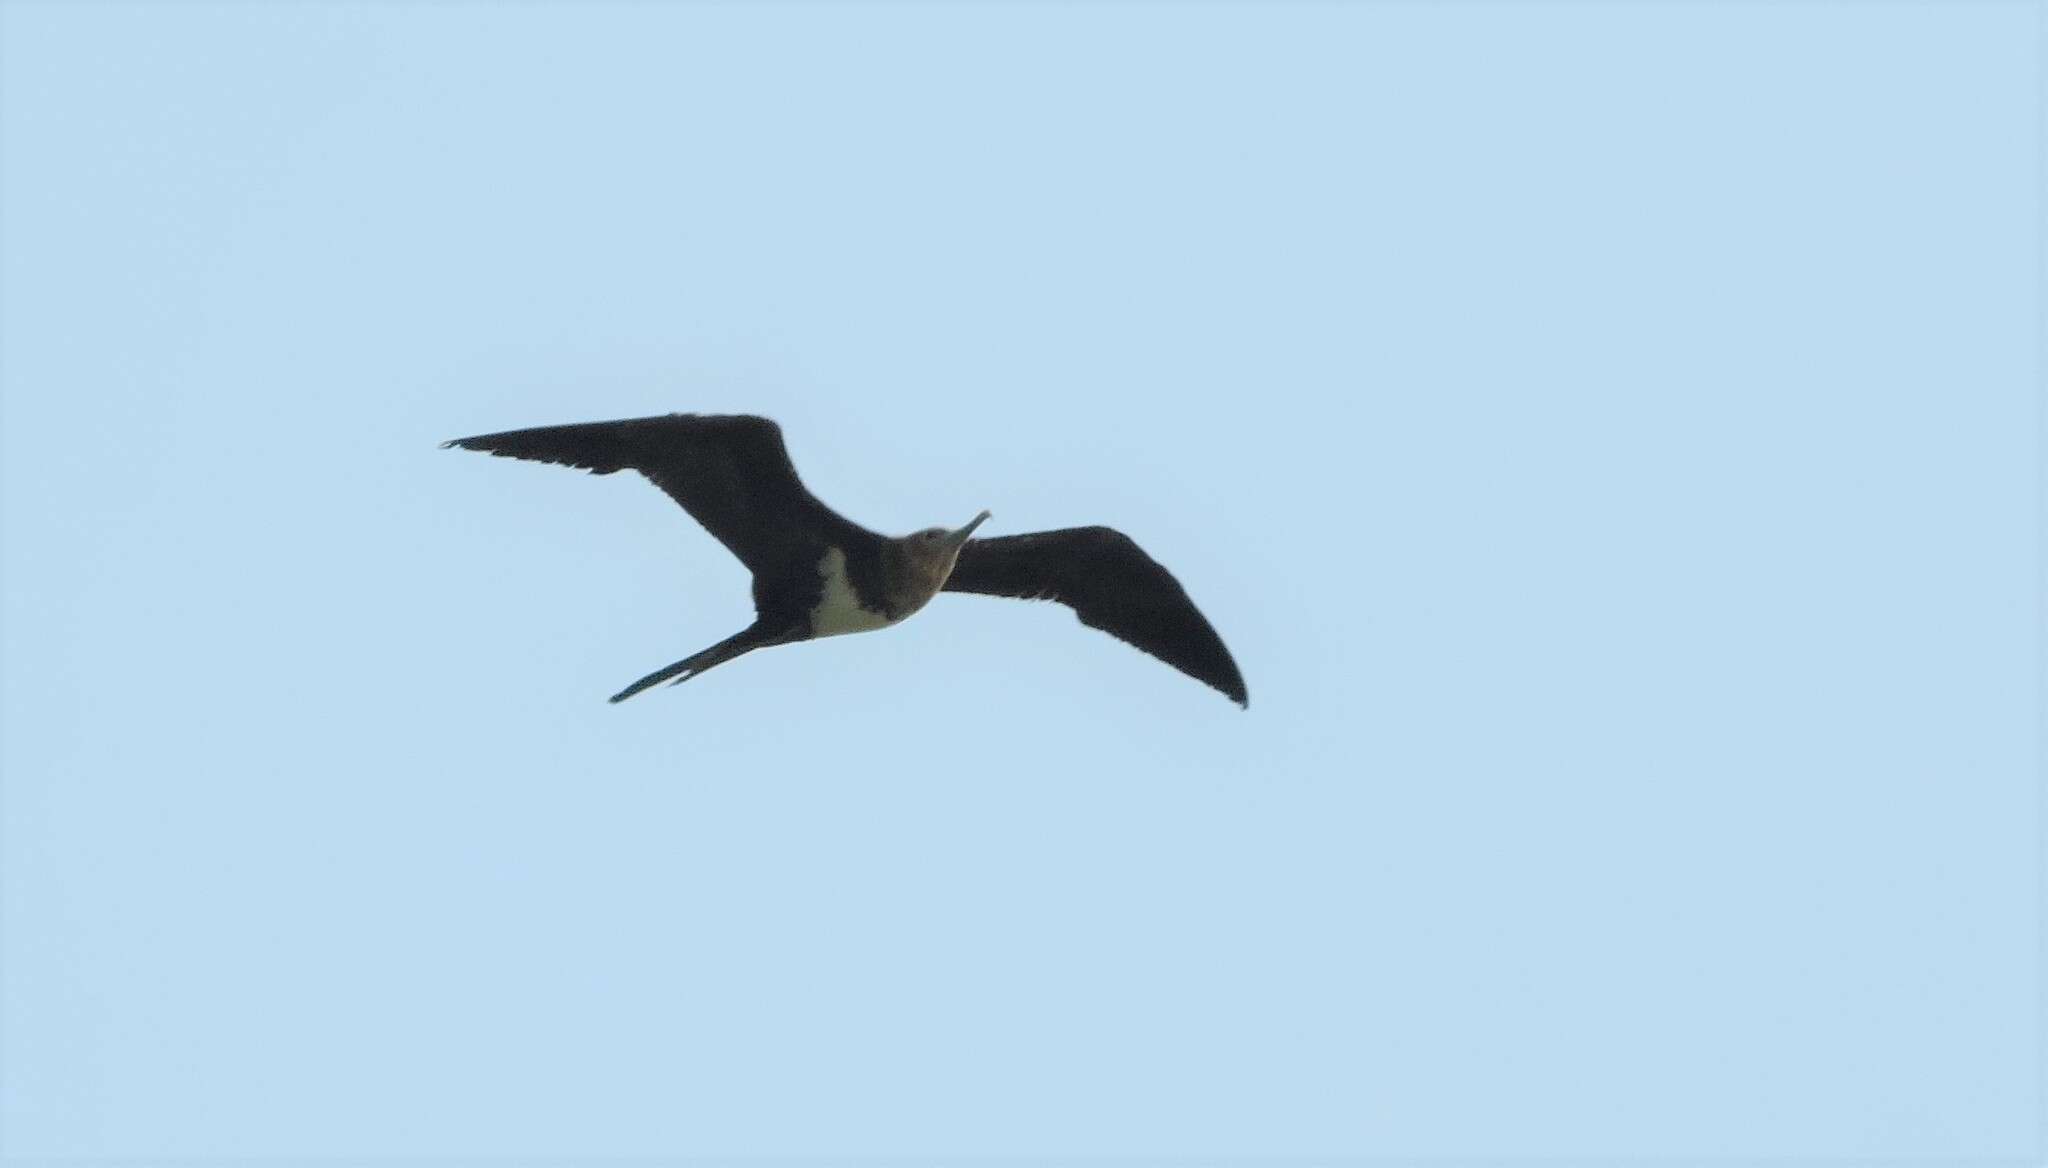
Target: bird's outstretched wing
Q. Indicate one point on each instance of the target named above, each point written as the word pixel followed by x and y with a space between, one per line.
pixel 1112 585
pixel 730 472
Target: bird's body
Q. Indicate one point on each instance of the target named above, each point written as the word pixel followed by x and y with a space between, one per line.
pixel 818 574
pixel 840 608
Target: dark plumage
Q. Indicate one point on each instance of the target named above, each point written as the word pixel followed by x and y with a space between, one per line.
pixel 817 573
pixel 1112 585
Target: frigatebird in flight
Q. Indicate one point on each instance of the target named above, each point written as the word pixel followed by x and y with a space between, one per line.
pixel 819 574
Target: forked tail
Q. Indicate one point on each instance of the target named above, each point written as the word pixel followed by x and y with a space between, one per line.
pixel 745 641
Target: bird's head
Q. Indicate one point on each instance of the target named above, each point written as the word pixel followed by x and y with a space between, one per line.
pixel 935 549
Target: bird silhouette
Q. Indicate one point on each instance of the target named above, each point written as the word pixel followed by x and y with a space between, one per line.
pixel 819 574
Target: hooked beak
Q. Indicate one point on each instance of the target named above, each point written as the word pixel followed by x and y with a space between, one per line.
pixel 959 538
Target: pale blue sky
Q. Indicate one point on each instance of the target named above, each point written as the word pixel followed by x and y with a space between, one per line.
pixel 1607 436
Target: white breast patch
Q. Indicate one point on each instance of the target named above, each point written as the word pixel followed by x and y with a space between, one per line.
pixel 839 610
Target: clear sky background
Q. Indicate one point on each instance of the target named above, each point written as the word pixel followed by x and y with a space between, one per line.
pixel 1607 435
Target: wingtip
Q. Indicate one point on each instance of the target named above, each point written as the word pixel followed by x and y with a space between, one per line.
pixel 1231 685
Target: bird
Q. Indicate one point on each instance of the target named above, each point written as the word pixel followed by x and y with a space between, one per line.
pixel 819 574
